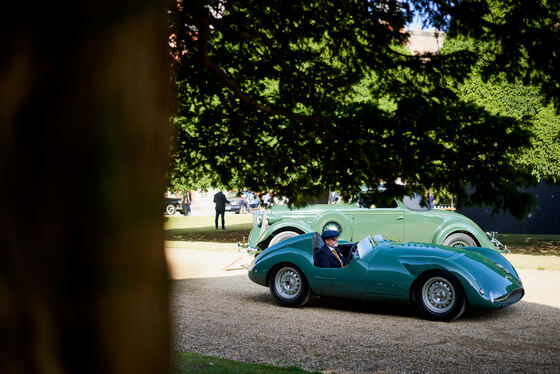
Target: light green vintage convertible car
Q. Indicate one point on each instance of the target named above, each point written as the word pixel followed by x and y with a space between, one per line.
pixel 441 281
pixel 400 220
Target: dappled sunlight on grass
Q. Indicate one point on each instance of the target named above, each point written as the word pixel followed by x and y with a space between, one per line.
pixel 191 221
pixel 532 244
pixel 201 228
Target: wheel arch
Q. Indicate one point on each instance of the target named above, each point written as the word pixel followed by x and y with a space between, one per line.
pixel 470 234
pixel 466 282
pixel 279 227
pixel 279 265
pixel 444 232
pixel 433 272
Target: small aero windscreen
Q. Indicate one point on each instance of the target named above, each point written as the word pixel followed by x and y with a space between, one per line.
pixel 365 246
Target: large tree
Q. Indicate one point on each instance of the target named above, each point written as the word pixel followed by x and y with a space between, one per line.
pixel 300 97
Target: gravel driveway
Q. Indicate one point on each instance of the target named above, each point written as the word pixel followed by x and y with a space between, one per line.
pixel 222 313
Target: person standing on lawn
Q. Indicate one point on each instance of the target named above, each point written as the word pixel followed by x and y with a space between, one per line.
pixel 220 200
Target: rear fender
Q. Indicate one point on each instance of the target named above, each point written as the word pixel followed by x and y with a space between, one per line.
pixel 473 231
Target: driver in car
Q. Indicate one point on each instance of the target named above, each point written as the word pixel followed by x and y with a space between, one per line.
pixel 329 256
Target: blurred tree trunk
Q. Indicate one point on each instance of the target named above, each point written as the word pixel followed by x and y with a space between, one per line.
pixel 83 145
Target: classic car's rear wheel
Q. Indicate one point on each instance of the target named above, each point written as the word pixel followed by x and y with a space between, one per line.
pixel 282 236
pixel 440 297
pixel 170 209
pixel 459 240
pixel 289 286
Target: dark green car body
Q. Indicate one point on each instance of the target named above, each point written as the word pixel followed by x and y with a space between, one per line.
pixel 403 221
pixel 390 271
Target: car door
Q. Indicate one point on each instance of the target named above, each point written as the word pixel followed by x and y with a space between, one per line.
pixel 348 281
pixel 420 221
pixel 386 219
pixel 386 277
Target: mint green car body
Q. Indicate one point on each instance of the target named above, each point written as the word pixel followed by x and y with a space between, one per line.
pixel 399 223
pixel 390 271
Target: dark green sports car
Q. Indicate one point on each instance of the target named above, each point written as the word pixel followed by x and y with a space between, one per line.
pixel 400 220
pixel 441 281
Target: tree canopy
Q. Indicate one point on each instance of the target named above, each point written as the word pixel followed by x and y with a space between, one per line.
pixel 303 97
pixel 514 98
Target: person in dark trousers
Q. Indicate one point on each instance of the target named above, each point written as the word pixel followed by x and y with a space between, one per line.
pixel 220 200
pixel 329 256
pixel 187 200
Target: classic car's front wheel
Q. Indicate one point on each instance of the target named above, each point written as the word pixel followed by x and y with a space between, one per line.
pixel 170 209
pixel 440 297
pixel 289 286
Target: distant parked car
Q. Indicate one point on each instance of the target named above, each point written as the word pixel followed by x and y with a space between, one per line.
pixel 236 203
pixel 172 205
pixel 403 220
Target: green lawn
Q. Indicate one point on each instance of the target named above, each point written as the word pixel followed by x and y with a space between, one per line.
pixel 532 244
pixel 201 228
pixel 186 363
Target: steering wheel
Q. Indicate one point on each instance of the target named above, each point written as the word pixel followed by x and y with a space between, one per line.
pixel 351 252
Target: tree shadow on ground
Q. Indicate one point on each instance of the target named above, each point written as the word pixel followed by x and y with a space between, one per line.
pixel 406 310
pixel 527 244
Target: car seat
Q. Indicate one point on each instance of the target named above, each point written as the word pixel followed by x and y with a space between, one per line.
pixel 316 243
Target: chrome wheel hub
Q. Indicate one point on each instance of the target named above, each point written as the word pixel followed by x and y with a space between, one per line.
pixel 288 283
pixel 438 295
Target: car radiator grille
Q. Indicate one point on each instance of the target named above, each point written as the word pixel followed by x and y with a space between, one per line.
pixel 514 297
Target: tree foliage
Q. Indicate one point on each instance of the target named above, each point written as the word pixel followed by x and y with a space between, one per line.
pixel 302 97
pixel 514 98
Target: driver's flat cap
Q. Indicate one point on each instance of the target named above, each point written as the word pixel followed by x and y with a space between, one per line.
pixel 327 234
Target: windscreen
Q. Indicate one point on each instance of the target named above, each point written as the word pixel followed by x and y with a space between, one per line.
pixel 365 246
pixel 415 203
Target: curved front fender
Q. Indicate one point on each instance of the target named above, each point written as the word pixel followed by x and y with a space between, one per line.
pixel 259 272
pixel 417 265
pixel 280 225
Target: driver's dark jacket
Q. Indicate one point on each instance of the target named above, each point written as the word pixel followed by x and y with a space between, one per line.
pixel 326 259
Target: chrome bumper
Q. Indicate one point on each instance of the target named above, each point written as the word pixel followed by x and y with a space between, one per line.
pixel 493 237
pixel 242 247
